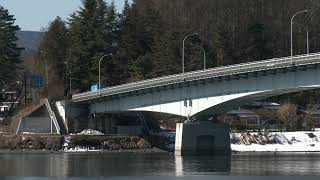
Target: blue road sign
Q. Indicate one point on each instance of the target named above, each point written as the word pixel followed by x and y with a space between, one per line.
pixel 36 81
pixel 94 88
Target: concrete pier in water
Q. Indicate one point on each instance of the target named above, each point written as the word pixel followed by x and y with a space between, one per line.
pixel 203 137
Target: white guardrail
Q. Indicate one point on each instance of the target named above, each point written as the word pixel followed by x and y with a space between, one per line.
pixel 276 63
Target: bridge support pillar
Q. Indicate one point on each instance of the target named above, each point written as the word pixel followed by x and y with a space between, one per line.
pixel 204 137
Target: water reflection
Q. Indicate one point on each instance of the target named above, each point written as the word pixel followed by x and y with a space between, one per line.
pixel 33 165
pixel 111 164
pixel 202 165
pixel 269 164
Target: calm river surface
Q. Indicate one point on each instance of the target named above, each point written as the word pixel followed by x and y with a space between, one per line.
pixel 88 165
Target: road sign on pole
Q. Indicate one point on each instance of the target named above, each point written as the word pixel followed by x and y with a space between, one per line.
pixel 36 81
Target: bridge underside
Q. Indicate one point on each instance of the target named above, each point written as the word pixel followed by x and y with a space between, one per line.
pixel 211 106
pixel 212 96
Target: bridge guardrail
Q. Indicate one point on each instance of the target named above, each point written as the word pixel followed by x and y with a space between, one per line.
pixel 275 63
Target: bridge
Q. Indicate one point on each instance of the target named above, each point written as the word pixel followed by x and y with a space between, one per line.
pixel 204 94
pixel 208 92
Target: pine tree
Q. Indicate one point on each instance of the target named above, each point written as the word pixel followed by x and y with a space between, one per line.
pixel 53 50
pixel 112 39
pixel 221 43
pixel 166 54
pixel 139 28
pixel 9 50
pixel 257 47
pixel 91 32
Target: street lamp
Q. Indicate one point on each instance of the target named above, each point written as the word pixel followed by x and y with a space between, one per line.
pixel 304 11
pixel 204 57
pixel 193 34
pixel 100 70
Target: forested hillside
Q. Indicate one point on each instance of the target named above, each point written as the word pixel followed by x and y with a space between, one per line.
pixel 146 37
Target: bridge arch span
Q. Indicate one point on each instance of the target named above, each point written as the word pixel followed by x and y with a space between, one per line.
pixel 206 107
pixel 210 91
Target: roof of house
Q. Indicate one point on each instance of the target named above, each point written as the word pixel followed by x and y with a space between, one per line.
pixel 315 112
pixel 244 113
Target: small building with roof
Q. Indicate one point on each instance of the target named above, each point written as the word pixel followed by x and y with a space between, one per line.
pixel 242 117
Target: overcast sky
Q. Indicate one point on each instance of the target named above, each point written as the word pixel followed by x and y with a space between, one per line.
pixel 33 15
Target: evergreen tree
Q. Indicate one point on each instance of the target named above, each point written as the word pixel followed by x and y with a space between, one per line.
pixel 9 50
pixel 120 71
pixel 53 50
pixel 167 54
pixel 222 45
pixel 91 33
pixel 257 47
pixel 112 40
pixel 139 29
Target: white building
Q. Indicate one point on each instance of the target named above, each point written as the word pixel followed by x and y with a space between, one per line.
pixel 9 100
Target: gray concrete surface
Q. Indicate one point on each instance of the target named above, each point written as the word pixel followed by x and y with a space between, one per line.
pixel 202 138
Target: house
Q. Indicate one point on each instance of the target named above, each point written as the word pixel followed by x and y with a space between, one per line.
pixel 264 105
pixel 314 114
pixel 9 100
pixel 241 117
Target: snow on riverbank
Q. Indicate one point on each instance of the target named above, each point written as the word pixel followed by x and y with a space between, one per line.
pixel 282 142
pixel 302 141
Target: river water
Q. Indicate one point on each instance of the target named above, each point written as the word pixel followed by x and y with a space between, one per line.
pixel 85 165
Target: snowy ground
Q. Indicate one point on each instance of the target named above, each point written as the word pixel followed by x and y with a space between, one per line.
pixel 279 142
pixel 285 142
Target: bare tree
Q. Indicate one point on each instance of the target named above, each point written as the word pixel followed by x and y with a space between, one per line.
pixel 268 116
pixel 287 113
pixel 308 118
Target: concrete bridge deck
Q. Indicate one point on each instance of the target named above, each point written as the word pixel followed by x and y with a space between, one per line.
pixel 224 71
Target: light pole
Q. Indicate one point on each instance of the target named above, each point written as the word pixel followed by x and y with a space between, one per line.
pixel 204 57
pixel 304 11
pixel 100 70
pixel 184 39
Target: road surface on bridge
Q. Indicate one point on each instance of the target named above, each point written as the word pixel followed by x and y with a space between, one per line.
pixel 237 69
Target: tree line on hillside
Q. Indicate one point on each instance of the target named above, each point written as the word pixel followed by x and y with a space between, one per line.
pixel 145 39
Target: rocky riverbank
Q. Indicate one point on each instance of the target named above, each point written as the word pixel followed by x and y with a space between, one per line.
pixel 31 142
pixel 74 143
pixel 300 141
pixel 111 143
